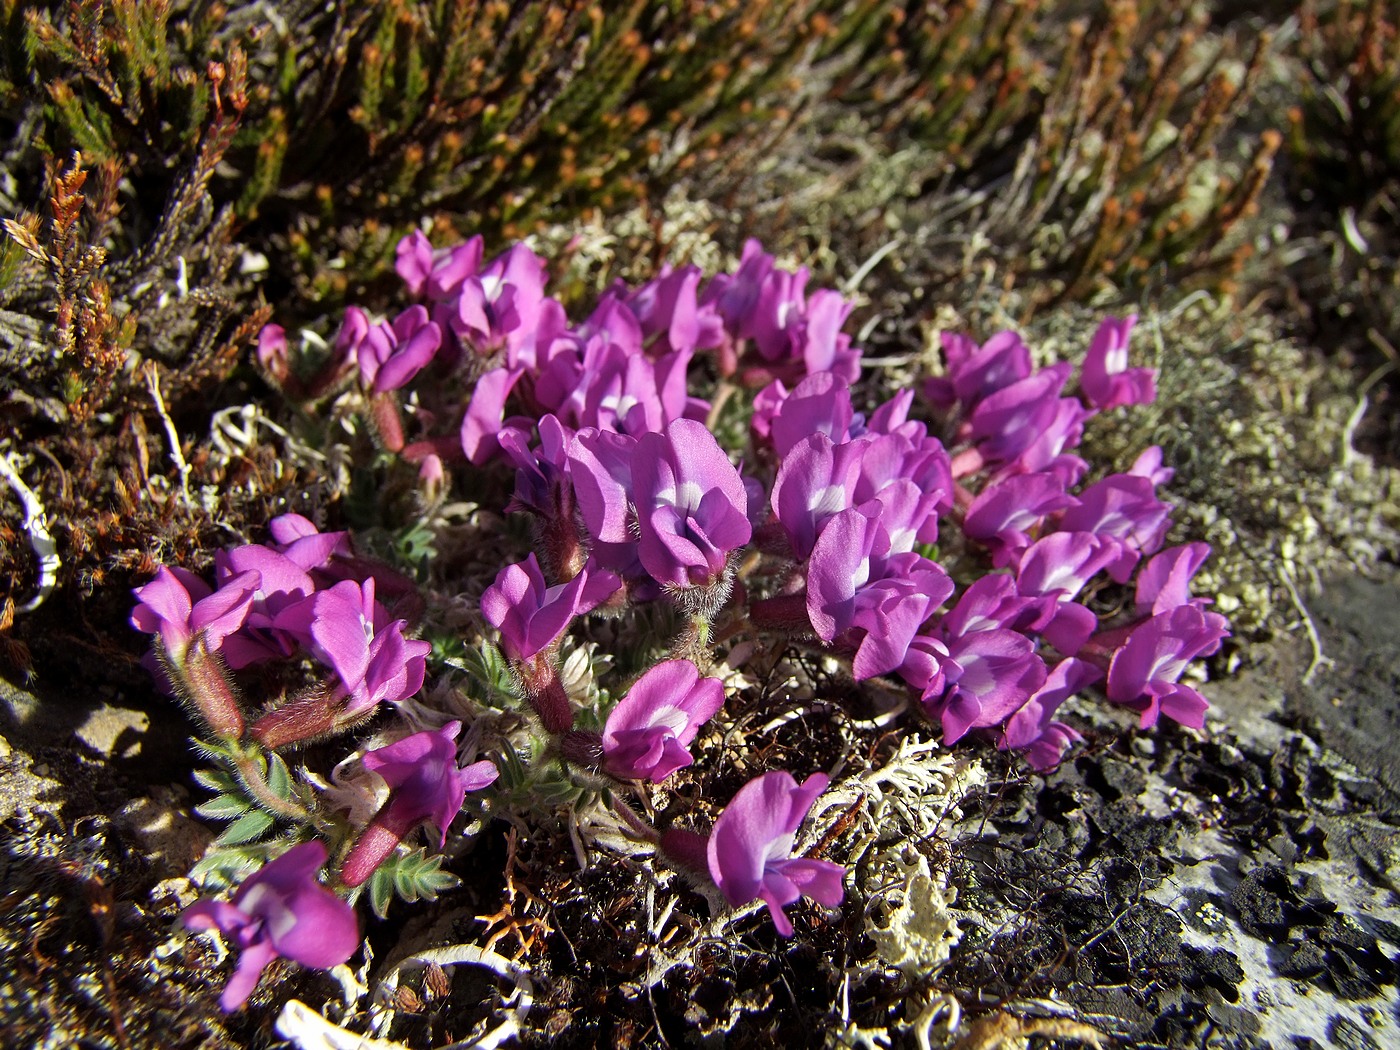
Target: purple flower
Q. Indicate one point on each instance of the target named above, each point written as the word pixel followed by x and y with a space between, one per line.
pixel 1032 727
pixel 767 403
pixel 1005 513
pixel 307 546
pixel 1149 465
pixel 179 606
pixel 273 353
pixel 1124 508
pixel 484 419
pixel 1058 567
pixel 1144 671
pixel 280 911
pixel 987 676
pixel 814 483
pixel 439 273
pixel 974 372
pixel 1106 380
pixel 861 593
pixel 1047 451
pixel 791 334
pixel 283 584
pixel 915 462
pixel 1063 563
pixel 424 780
pixel 414 261
pixel 372 658
pixel 750 849
pixel 500 305
pixel 1165 581
pixel 648 731
pixel 600 465
pixel 532 617
pixel 1025 427
pixel 992 602
pixel 692 507
pixel 194 626
pixel 424 784
pixel 820 404
pixel 668 306
pixel 389 355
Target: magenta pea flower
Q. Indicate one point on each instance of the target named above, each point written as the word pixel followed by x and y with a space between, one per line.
pixel 1006 513
pixel 648 732
pixel 273 353
pixel 389 354
pixel 425 784
pixel 986 676
pixel 692 507
pixel 814 483
pixel 1124 508
pixel 820 404
pixel 300 540
pixel 866 596
pixel 348 631
pixel 283 584
pixel 1144 671
pixel 1106 380
pixel 194 622
pixel 281 910
pixel 668 306
pixel 1027 419
pixel 531 616
pixel 1032 728
pixel 500 305
pixel 975 372
pixel 179 606
pixel 373 660
pixel 1149 465
pixel 485 418
pixel 750 850
pixel 1165 581
pixel 446 268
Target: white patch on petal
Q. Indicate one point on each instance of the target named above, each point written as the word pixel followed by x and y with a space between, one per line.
pixel 830 500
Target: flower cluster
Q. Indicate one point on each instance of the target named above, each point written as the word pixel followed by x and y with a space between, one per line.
pixel 855 498
pixel 953 543
pixel 305 593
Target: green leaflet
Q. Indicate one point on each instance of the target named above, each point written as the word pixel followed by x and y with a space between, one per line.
pixel 411 877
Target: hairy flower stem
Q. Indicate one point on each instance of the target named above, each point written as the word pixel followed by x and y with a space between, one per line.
pixel 319 714
pixel 372 848
pixel 563 546
pixel 686 851
pixel 545 693
pixel 693 643
pixel 388 420
pixel 250 775
pixel 202 682
pixel 582 748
